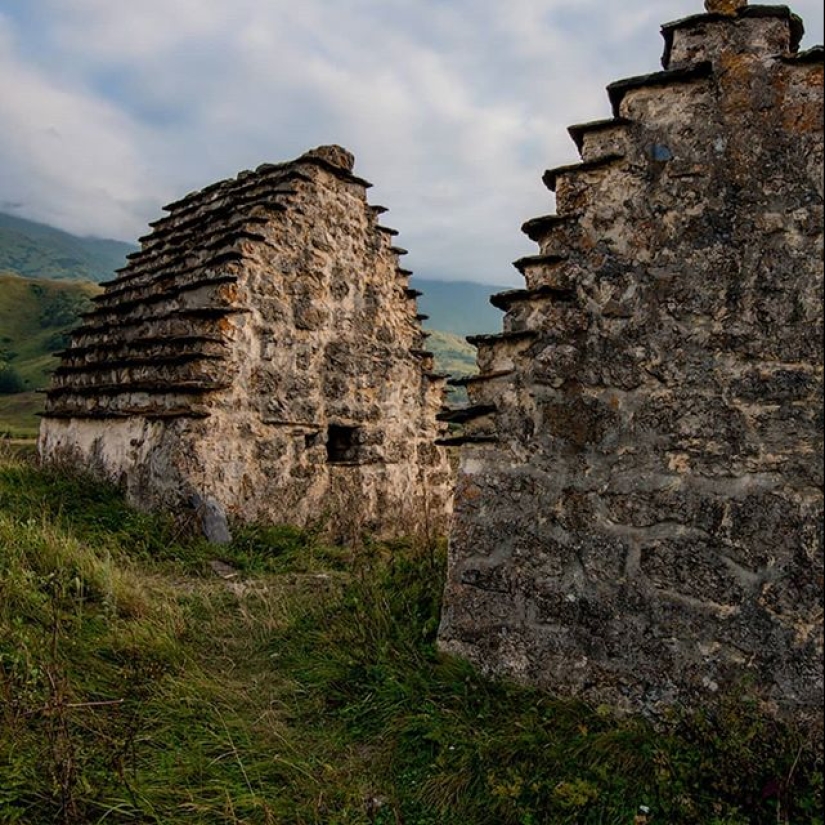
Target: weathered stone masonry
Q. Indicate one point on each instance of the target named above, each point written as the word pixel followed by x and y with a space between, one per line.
pixel 639 506
pixel 262 352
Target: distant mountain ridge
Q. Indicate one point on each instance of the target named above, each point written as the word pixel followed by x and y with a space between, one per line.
pixel 36 250
pixel 459 307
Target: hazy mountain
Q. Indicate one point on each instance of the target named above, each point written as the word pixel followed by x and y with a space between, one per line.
pixel 459 307
pixel 35 250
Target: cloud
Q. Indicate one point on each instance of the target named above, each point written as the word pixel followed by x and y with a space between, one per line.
pixel 453 108
pixel 64 149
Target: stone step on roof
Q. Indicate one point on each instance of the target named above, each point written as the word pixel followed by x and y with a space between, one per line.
pixel 619 89
pixel 499 344
pixel 147 262
pixel 551 176
pixel 530 261
pixel 220 259
pixel 199 225
pixel 141 343
pixel 816 54
pixel 338 171
pixel 552 319
pixel 265 175
pixel 166 280
pixel 460 415
pixel 150 413
pixel 500 337
pixel 210 313
pixel 550 270
pixel 122 355
pixel 461 440
pixel 184 266
pixel 155 387
pixel 171 280
pixel 178 367
pixel 125 307
pixel 482 377
pixel 126 360
pixel 538 228
pixel 505 300
pixel 144 402
pixel 797 28
pixel 559 235
pixel 172 283
pixel 579 130
pixel 260 193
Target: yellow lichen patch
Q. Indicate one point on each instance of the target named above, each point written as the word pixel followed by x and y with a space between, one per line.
pixel 725 6
pixel 802 117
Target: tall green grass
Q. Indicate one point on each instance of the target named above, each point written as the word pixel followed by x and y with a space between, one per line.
pixel 305 687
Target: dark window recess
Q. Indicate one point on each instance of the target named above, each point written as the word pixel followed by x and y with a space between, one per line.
pixel 342 444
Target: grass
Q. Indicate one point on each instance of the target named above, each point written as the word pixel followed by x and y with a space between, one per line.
pixel 138 686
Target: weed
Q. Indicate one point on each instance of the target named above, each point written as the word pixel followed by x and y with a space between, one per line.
pixel 137 687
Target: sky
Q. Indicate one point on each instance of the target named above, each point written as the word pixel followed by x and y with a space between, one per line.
pixel 453 108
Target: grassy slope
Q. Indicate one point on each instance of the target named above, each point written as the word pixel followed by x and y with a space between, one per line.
pixel 35 250
pixel 136 686
pixel 34 318
pixel 452 353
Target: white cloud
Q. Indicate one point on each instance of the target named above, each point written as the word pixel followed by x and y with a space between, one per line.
pixel 452 108
pixel 66 153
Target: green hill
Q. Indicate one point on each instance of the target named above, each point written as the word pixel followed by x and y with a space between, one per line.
pixel 35 250
pixel 453 354
pixel 35 319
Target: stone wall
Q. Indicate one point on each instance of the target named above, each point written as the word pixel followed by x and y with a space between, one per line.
pixel 639 504
pixel 262 352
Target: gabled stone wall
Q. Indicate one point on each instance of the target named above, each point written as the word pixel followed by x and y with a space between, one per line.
pixel 639 504
pixel 262 352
